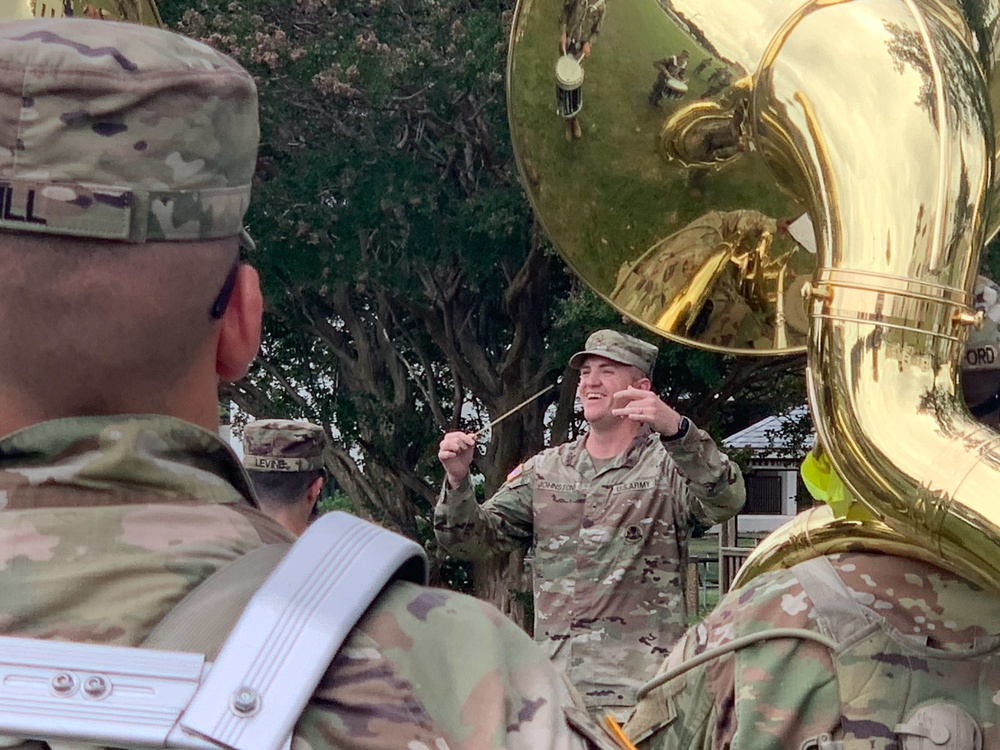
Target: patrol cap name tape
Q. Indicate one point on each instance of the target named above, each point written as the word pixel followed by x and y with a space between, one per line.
pixel 116 213
pixel 271 463
pixel 124 132
pixel 618 347
pixel 283 445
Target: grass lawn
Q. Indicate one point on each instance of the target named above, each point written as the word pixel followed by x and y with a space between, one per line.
pixel 708 547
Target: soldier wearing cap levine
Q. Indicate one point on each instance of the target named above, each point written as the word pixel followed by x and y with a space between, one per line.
pixel 126 156
pixel 285 461
pixel 609 516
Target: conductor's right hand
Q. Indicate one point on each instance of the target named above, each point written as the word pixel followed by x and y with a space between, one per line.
pixel 455 455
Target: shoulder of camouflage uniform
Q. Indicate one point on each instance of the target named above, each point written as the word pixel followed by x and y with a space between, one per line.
pixel 567 453
pixel 676 713
pixel 776 599
pixel 772 599
pixel 438 669
pixel 522 473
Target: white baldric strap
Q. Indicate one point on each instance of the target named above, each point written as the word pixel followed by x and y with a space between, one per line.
pixel 291 629
pixel 251 697
pixel 103 695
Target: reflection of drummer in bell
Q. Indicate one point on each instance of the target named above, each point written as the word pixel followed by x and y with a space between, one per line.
pixel 578 26
pixel 669 82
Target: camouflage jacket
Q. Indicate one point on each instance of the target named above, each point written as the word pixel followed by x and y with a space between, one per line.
pixel 610 548
pixel 931 637
pixel 107 522
pixel 581 20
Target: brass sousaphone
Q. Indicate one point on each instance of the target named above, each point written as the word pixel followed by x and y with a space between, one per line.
pixel 825 184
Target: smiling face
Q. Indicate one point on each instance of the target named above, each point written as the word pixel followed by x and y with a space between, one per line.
pixel 602 378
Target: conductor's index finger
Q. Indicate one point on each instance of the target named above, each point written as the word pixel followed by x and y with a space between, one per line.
pixel 464 440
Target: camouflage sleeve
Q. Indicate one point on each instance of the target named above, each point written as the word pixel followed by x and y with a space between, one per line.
pixel 714 484
pixel 567 9
pixel 596 28
pixel 428 669
pixel 476 532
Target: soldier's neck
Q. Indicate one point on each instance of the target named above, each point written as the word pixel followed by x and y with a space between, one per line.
pixel 605 440
pixel 18 411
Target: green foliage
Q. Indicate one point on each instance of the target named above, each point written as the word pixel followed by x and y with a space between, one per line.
pixel 408 288
pixel 741 457
pixel 796 434
pixel 337 500
pixel 397 253
pixel 990 263
pixel 457 575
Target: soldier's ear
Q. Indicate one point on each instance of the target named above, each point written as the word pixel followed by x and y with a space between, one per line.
pixel 315 488
pixel 240 326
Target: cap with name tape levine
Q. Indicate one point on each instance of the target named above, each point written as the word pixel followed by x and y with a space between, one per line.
pixel 283 445
pixel 124 132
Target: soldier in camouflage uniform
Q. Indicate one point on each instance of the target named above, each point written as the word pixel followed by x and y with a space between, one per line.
pixel 670 68
pixel 609 517
pixel 912 659
pixel 285 461
pixel 579 24
pixel 126 155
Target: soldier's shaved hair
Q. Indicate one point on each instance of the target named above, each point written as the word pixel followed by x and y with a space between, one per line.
pixel 276 490
pixel 91 327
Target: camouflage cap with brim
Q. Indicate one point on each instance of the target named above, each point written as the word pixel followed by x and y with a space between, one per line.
pixel 618 347
pixel 283 445
pixel 122 132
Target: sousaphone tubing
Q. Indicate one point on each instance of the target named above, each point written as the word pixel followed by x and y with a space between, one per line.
pixel 825 184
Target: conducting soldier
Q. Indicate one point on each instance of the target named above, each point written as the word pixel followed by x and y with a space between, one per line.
pixel 875 650
pixel 609 516
pixel 126 156
pixel 285 461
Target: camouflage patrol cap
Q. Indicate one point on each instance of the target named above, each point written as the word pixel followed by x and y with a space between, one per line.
pixel 283 445
pixel 122 132
pixel 618 347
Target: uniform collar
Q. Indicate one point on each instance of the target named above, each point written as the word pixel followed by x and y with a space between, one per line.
pixel 157 457
pixel 628 457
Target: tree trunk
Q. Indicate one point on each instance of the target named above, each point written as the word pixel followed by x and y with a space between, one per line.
pixel 503 581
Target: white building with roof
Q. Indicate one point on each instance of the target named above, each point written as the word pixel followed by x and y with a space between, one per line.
pixel 777 448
